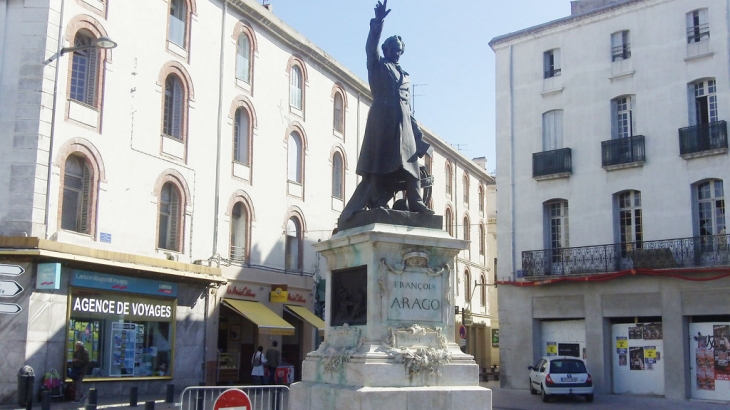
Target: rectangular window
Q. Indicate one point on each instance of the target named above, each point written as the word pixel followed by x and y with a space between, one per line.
pixel 622 121
pixel 557 215
pixel 629 221
pixel 705 102
pixel 552 63
pixel 552 130
pixel 178 15
pixel 620 45
pixel 126 335
pixel 698 26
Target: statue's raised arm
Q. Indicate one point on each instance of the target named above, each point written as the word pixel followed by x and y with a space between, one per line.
pixel 381 10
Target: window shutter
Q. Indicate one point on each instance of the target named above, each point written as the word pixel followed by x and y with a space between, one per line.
pixel 614 119
pixel 556 60
pixel 174 221
pixel 177 109
pixel 85 213
pixel 703 16
pixel 692 105
pixel 244 137
pixel 91 84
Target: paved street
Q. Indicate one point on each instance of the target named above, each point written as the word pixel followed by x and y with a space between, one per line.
pixel 508 399
pixel 502 399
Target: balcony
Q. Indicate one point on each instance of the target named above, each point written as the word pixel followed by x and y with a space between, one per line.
pixel 695 252
pixel 623 153
pixel 703 139
pixel 552 164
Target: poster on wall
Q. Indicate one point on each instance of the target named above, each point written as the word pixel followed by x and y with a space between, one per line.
pixel 650 357
pixel 705 368
pixel 636 332
pixel 652 331
pixel 722 349
pixel 636 355
pixel 552 349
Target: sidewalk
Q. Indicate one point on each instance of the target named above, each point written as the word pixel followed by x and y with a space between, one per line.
pixel 105 402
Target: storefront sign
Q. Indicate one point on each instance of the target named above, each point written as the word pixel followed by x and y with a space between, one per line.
pixel 49 276
pixel 495 337
pixel 297 298
pixel 279 294
pixel 108 304
pixel 122 284
pixel 244 291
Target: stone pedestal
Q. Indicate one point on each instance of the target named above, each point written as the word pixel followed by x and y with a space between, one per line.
pixel 389 341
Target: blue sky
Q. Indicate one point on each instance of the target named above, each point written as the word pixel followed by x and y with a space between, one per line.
pixel 447 52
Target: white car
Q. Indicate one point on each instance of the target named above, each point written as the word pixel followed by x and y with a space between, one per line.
pixel 561 375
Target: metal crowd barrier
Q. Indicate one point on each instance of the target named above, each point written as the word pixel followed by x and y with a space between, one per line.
pixel 262 397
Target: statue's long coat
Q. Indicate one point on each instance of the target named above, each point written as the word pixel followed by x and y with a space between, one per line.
pixel 391 134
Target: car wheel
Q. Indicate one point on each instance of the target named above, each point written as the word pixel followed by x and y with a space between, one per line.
pixel 532 389
pixel 589 398
pixel 545 396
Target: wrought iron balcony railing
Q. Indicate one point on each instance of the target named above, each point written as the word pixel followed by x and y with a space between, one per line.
pixel 698 33
pixel 623 150
pixel 552 72
pixel 238 256
pixel 552 162
pixel 703 137
pixel 698 251
pixel 621 52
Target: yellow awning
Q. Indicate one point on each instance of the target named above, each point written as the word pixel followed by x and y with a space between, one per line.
pixel 269 323
pixel 307 316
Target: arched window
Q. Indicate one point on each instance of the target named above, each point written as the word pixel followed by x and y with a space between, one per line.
pixel 170 218
pixel 709 198
pixel 76 208
pixel 481 198
pixel 467 287
pixel 448 178
pixel 293 245
pixel 85 70
pixel 467 229
pixel 239 233
pixel 481 240
pixel 466 189
pixel 295 88
pixel 178 23
pixel 243 58
pixel 483 290
pixel 449 221
pixel 339 114
pixel 338 181
pixel 242 136
pixel 174 107
pixel 294 150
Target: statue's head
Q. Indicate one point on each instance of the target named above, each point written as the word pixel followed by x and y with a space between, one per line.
pixel 393 47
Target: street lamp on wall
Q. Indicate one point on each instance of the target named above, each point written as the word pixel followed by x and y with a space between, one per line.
pixel 102 43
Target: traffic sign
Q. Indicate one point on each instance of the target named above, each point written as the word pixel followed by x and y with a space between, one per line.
pixel 9 308
pixel 232 399
pixel 11 270
pixel 9 288
pixel 462 332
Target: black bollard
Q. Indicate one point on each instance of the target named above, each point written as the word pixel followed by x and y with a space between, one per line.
pixel 149 405
pixel 200 403
pixel 90 407
pixel 92 397
pixel 133 396
pixel 46 400
pixel 170 397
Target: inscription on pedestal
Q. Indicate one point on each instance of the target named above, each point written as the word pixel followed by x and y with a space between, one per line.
pixel 407 339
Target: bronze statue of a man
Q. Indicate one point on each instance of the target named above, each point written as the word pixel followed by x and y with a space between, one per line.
pixel 393 142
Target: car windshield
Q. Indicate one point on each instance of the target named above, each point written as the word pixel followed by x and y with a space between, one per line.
pixel 567 366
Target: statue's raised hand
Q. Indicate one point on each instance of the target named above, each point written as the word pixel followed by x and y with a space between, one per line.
pixel 381 10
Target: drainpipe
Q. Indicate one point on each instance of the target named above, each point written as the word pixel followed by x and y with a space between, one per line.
pixel 219 130
pixel 53 122
pixel 512 160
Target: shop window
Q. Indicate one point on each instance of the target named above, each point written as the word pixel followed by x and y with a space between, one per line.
pixel 127 335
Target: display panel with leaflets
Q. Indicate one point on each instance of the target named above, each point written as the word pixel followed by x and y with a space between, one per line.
pixel 126 334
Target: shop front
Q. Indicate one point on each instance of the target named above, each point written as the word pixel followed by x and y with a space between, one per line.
pixel 143 320
pixel 253 315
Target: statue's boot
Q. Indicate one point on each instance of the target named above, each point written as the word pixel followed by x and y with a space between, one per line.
pixel 413 195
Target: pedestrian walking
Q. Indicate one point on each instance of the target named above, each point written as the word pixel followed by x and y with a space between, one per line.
pixel 79 365
pixel 273 358
pixel 258 360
